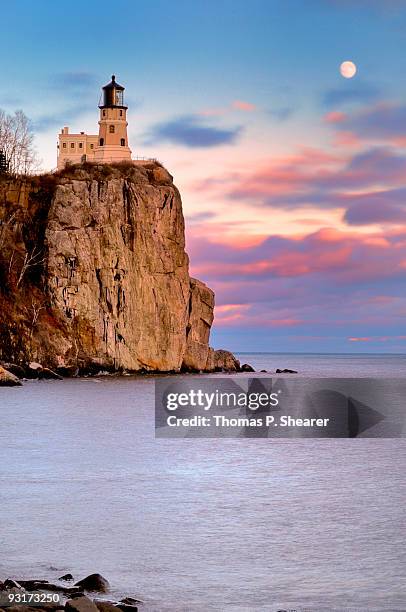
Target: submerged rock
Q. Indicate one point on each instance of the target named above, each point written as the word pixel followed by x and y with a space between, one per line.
pixel 286 371
pixel 66 577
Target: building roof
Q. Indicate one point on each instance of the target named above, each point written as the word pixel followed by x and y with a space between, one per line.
pixel 113 84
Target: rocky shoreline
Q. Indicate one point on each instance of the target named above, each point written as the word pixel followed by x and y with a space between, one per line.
pixel 37 594
pixel 12 375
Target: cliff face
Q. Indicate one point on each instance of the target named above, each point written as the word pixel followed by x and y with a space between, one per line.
pixel 94 273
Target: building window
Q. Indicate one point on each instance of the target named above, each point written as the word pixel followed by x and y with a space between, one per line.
pixel 101 142
pixel 72 145
pixel 123 142
pixel 121 113
pixel 104 113
pixel 64 145
pixel 91 146
pixel 81 145
pixel 111 129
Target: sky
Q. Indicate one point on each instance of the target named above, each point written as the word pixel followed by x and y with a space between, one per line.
pixel 293 178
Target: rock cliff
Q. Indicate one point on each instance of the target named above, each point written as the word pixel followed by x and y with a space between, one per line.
pixel 94 274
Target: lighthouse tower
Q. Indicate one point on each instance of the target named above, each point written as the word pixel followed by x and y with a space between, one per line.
pixel 112 145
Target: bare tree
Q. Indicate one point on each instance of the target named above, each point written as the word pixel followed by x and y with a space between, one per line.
pixel 31 259
pixel 5 224
pixel 17 143
pixel 33 312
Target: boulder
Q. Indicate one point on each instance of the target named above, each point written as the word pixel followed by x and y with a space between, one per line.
pixel 7 379
pixel 264 371
pixel 224 361
pixel 105 606
pixel 126 608
pixel 66 577
pixel 81 604
pixel 33 370
pixel 47 374
pixel 94 582
pixel 246 367
pixel 285 371
pixel 33 585
pixel 67 371
pixel 15 369
pixel 12 584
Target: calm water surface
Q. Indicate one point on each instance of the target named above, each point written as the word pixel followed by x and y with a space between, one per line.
pixel 200 525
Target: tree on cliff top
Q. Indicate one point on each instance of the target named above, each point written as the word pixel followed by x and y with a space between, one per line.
pixel 17 143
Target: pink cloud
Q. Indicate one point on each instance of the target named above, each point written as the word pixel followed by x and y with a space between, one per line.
pixel 347 139
pixel 376 338
pixel 243 106
pixel 334 117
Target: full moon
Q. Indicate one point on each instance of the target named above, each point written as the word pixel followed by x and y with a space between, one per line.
pixel 348 70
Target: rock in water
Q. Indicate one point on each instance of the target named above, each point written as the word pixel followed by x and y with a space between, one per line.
pixel 224 361
pixel 94 582
pixel 15 369
pixel 105 606
pixel 48 374
pixel 34 370
pixel 285 371
pixel 111 290
pixel 246 367
pixel 81 604
pixel 7 379
pixel 12 584
pixel 66 577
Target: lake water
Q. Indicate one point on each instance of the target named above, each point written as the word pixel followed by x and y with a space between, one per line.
pixel 201 525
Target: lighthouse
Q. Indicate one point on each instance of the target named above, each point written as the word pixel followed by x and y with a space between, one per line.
pixel 111 144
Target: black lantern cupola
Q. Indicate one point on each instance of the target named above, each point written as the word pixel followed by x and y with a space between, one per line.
pixel 113 95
